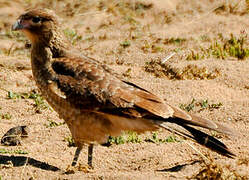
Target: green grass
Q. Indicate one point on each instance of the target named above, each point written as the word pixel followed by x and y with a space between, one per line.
pixel 127 73
pixel 52 123
pixel 70 141
pixel 39 102
pixel 188 107
pixel 156 48
pixel 194 55
pixel 200 105
pixel 18 151
pixel 223 48
pixel 170 139
pixel 128 137
pixel 13 95
pixel 125 44
pixel 155 139
pixel 116 140
pixel 133 137
pixel 5 116
pixel 72 35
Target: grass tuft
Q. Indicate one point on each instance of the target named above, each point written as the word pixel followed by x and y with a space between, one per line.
pixel 72 35
pixel 190 71
pixel 18 151
pixel 213 170
pixel 200 105
pixel 5 116
pixel 222 48
pixel 70 141
pixel 52 123
pixel 156 139
pixel 128 137
pixel 125 44
pixel 39 102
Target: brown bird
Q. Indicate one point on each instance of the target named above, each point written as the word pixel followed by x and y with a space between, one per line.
pixel 94 102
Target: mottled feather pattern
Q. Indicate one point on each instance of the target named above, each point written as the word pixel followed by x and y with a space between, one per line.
pixel 91 77
pixel 94 101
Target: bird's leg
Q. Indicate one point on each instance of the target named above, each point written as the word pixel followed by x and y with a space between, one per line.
pixel 76 156
pixel 90 155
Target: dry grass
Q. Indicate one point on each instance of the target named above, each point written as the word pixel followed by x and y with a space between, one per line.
pixel 188 72
pixel 212 170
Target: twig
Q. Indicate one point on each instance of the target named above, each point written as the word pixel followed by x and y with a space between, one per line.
pixel 168 57
pixel 195 149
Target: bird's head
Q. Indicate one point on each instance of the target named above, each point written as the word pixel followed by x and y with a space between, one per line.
pixel 37 24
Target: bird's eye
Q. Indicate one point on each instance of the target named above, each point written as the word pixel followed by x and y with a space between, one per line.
pixel 36 19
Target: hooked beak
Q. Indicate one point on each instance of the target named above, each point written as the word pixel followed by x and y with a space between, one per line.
pixel 17 26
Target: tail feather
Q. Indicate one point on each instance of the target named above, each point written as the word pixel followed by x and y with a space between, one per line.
pixel 198 136
pixel 209 141
pixel 186 118
pixel 216 126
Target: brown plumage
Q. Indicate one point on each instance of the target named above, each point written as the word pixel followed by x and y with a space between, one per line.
pixel 94 102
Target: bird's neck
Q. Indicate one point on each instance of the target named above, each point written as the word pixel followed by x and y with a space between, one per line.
pixel 41 58
pixel 55 40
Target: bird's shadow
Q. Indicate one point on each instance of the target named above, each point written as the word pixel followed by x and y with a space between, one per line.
pixel 178 167
pixel 23 160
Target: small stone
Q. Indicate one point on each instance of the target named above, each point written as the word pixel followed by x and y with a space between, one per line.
pixel 13 136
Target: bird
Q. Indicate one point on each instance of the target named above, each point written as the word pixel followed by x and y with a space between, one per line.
pixel 94 101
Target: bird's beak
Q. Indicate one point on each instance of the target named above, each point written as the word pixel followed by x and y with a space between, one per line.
pixel 17 26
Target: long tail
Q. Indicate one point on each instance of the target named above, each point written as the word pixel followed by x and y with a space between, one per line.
pixel 202 138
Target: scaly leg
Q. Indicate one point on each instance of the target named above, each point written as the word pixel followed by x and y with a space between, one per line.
pixel 76 156
pixel 90 155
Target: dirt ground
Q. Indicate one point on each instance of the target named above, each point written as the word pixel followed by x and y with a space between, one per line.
pixel 127 36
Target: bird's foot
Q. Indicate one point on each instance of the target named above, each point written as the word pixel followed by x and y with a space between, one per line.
pixel 83 168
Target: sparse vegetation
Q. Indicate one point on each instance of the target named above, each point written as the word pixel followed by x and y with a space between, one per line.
pixel 72 35
pixel 14 35
pixel 116 140
pixel 188 72
pixel 126 8
pixel 39 102
pixel 170 139
pixel 13 95
pixel 233 47
pixel 5 116
pixel 156 139
pixel 158 45
pixel 70 141
pixel 172 40
pixel 125 33
pixel 233 7
pixel 223 48
pixel 193 55
pixel 125 43
pixel 18 151
pixel 52 123
pixel 213 170
pixel 132 137
pixel 129 137
pixel 127 73
pixel 200 105
pixel 243 160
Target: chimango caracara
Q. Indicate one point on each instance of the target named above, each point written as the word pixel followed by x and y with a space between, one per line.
pixel 94 102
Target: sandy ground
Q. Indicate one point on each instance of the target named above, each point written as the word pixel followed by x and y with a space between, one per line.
pixel 99 28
